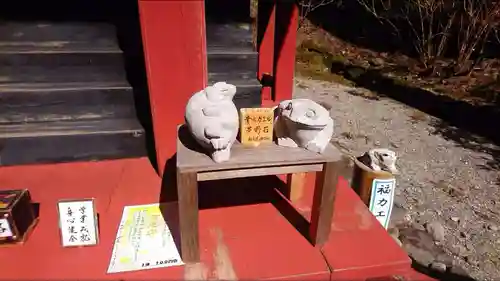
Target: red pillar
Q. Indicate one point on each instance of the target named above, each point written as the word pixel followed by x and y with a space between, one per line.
pixel 284 49
pixel 173 34
pixel 277 35
pixel 265 45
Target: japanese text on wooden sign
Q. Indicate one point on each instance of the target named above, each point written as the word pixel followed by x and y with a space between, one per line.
pixel 256 125
pixel 381 200
pixel 5 230
pixel 78 223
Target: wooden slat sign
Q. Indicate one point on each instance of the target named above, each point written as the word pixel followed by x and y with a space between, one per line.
pixel 256 126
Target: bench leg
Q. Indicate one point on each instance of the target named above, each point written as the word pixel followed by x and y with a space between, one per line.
pixel 296 183
pixel 187 190
pixel 323 200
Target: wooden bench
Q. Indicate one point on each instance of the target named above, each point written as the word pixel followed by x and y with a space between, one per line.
pixel 194 165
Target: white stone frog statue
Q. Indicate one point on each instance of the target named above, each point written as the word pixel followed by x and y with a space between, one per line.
pixel 303 123
pixel 213 120
pixel 380 159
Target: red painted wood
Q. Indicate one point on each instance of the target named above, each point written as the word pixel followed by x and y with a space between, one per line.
pixel 257 242
pixel 265 45
pixel 284 49
pixel 359 247
pixel 174 42
pixel 277 41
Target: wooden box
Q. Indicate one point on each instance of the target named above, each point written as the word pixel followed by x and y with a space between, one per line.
pixel 17 216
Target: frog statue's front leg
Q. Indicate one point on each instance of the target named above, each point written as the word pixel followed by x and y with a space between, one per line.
pixel 282 135
pixel 220 136
pixel 211 111
pixel 321 140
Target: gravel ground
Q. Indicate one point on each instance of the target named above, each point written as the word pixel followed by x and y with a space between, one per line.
pixel 448 178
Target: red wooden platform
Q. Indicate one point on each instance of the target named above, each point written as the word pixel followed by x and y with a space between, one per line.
pixel 367 250
pixel 248 230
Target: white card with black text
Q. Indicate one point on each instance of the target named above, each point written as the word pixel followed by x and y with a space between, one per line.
pixel 78 223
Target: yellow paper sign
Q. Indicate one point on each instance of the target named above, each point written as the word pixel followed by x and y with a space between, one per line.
pixel 256 126
pixel 143 240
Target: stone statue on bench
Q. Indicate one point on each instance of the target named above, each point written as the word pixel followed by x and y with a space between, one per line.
pixel 380 159
pixel 303 123
pixel 213 120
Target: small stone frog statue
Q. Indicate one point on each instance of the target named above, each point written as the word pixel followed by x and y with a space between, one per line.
pixel 380 159
pixel 303 123
pixel 213 120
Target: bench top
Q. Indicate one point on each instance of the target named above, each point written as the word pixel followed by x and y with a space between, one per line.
pixel 192 158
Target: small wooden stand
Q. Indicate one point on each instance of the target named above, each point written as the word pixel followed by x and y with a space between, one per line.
pixel 267 159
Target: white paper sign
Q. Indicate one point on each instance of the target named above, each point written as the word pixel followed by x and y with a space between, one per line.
pixel 5 230
pixel 78 223
pixel 143 241
pixel 382 198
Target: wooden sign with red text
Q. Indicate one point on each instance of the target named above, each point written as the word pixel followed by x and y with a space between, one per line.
pixel 256 126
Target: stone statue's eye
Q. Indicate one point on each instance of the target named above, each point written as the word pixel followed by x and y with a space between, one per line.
pixel 385 154
pixel 310 113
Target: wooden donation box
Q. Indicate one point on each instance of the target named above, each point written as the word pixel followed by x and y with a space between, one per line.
pixel 193 165
pixel 17 216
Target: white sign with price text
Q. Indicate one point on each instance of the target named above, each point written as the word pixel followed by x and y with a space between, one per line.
pixel 382 200
pixel 143 241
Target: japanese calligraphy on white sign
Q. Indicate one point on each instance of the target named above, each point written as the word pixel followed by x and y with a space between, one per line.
pixel 78 222
pixel 5 230
pixel 143 241
pixel 382 198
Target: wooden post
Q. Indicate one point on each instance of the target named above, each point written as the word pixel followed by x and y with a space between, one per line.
pixel 323 203
pixel 285 39
pixel 363 179
pixel 265 46
pixel 187 190
pixel 173 34
pixel 278 21
pixel 296 183
pixel 276 41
